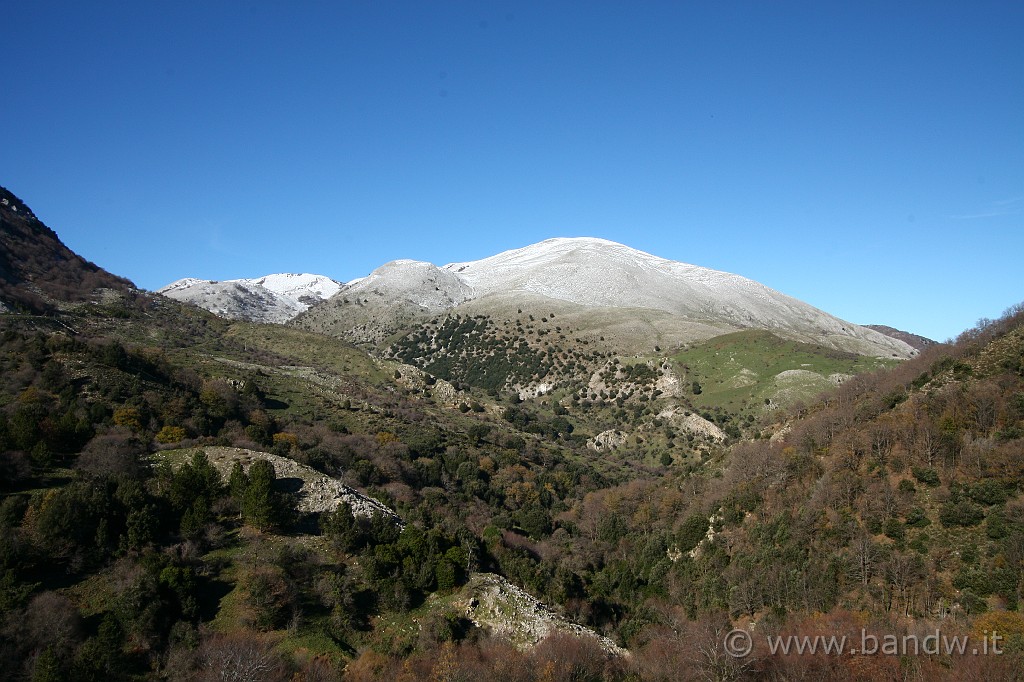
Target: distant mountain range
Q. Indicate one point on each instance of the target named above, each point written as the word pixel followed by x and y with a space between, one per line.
pixel 630 297
pixel 271 298
pixel 634 300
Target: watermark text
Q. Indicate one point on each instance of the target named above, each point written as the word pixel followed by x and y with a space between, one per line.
pixel 739 643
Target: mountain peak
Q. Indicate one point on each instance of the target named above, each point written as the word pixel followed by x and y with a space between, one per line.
pixel 576 242
pixel 559 247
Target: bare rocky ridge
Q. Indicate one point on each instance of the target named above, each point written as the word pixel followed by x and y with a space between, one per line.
pixel 692 423
pixel 607 440
pixel 682 419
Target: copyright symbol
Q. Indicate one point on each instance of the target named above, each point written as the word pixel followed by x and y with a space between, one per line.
pixel 738 643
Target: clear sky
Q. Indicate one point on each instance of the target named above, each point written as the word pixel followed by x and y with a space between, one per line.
pixel 866 157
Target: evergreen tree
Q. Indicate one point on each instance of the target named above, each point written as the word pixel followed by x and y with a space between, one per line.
pixel 261 505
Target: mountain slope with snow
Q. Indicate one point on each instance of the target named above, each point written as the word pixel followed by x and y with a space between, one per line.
pixel 271 298
pixel 605 282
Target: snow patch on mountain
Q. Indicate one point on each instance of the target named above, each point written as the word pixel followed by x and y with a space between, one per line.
pixel 598 272
pixel 299 287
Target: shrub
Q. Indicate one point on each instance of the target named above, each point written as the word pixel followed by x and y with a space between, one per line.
pixel 987 492
pixel 918 518
pixel 894 529
pixel 961 513
pixel 284 443
pixel 926 475
pixel 170 434
pixel 995 526
pixel 129 417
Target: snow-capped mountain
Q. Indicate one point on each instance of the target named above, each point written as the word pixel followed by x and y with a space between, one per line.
pixel 599 279
pixel 598 272
pixel 271 298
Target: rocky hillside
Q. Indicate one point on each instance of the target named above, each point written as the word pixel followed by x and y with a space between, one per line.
pixel 621 503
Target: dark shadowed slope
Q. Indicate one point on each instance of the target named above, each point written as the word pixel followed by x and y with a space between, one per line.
pixel 914 340
pixel 36 268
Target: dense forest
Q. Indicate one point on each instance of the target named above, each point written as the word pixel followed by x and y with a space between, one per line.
pixel 890 505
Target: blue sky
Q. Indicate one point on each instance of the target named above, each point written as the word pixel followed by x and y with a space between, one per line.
pixel 866 157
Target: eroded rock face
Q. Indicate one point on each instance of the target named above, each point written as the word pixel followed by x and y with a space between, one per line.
pixel 444 393
pixel 493 603
pixel 607 440
pixel 692 422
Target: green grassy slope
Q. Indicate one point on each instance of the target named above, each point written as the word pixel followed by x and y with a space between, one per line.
pixel 750 371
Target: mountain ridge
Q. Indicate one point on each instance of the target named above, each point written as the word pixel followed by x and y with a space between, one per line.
pixel 593 274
